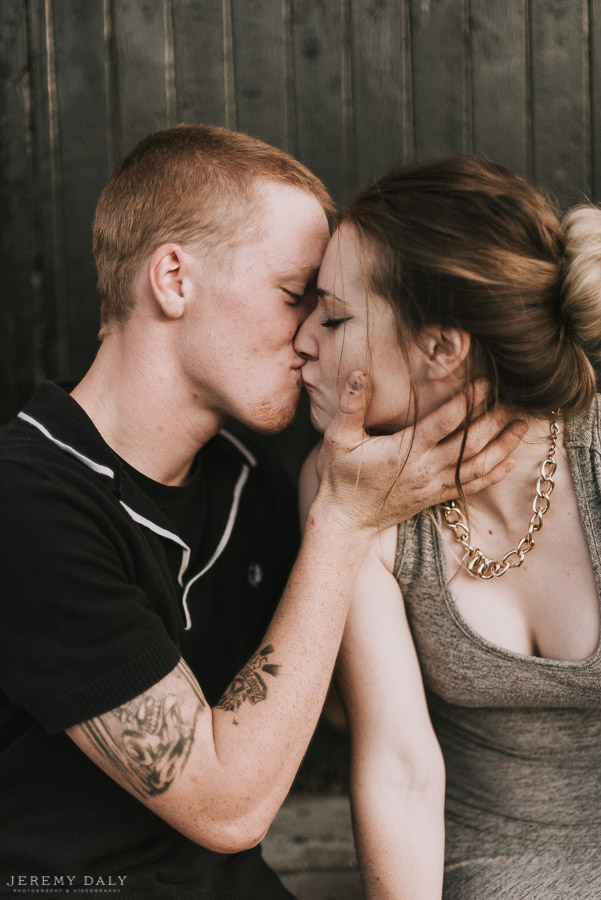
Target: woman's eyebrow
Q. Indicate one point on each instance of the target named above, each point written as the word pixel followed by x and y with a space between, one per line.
pixel 328 295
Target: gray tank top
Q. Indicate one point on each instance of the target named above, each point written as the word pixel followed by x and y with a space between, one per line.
pixel 521 735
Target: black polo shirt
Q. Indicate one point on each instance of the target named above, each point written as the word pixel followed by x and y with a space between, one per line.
pixel 100 596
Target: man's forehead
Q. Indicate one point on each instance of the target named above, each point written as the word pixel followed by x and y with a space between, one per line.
pixel 289 231
pixel 300 266
pixel 281 204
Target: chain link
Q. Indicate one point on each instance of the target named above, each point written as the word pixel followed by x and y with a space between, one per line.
pixel 474 560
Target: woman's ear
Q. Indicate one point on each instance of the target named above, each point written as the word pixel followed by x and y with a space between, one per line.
pixel 445 350
pixel 166 279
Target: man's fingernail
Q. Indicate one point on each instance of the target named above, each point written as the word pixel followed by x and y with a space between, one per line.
pixel 509 465
pixel 355 384
pixel 483 384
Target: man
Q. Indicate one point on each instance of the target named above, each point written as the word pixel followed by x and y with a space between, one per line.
pixel 155 708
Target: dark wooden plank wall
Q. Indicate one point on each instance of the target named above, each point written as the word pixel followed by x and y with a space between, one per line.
pixel 500 82
pixel 349 86
pixel 561 110
pixel 21 334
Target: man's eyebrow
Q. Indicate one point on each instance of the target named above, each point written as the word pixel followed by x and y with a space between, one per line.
pixel 293 265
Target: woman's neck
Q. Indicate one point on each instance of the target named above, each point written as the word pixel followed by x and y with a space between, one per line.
pixel 508 504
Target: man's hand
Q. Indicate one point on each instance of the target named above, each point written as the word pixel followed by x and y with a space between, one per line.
pixel 376 482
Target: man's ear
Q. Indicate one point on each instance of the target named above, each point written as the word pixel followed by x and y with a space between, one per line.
pixel 445 350
pixel 166 273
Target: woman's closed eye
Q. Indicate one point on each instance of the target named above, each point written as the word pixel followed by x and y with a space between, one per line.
pixel 334 323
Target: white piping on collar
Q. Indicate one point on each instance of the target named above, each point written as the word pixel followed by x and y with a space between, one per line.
pixel 162 532
pixel 222 543
pixel 96 467
pixel 243 450
pixel 105 470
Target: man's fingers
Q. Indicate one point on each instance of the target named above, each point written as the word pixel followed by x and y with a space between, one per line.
pixel 497 474
pixel 491 427
pixel 491 424
pixel 445 420
pixel 347 426
pixel 495 454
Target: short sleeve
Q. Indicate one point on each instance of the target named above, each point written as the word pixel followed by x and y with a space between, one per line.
pixel 77 634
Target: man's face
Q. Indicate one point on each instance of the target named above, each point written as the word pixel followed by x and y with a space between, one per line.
pixel 238 348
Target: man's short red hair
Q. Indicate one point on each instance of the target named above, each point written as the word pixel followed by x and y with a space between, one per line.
pixel 190 184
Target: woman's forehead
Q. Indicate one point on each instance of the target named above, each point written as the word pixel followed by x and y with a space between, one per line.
pixel 342 270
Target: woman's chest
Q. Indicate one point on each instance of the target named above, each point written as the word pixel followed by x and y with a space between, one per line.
pixel 548 606
pixel 481 650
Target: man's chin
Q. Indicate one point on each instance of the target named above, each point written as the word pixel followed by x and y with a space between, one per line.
pixel 271 420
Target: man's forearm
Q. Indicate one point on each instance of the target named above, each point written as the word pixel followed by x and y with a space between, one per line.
pixel 266 717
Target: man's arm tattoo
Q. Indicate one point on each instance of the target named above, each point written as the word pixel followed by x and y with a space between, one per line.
pixel 248 683
pixel 148 740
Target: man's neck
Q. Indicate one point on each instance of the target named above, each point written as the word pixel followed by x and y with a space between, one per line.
pixel 139 403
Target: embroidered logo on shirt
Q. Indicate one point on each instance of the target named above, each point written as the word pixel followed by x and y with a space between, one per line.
pixel 255 574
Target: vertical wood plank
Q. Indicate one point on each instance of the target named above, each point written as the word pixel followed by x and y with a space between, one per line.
pixel 260 71
pixel 51 330
pixel 317 52
pixel 20 362
pixel 499 50
pixel 441 77
pixel 560 98
pixel 381 86
pixel 595 95
pixel 348 125
pixel 199 61
pixel 83 153
pixel 141 53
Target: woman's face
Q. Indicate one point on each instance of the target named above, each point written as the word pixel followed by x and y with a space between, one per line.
pixel 351 329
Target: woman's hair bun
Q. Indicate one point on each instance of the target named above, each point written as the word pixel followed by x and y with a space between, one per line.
pixel 581 289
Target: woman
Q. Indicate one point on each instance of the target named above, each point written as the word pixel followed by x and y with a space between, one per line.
pixel 472 644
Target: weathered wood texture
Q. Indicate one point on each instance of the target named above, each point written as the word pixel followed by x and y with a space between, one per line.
pixel 561 110
pixel 442 83
pixel 349 86
pixel 20 307
pixel 501 126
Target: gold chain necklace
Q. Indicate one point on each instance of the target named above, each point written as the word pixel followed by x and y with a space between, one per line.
pixel 474 560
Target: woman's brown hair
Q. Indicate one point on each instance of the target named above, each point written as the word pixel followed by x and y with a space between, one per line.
pixel 464 243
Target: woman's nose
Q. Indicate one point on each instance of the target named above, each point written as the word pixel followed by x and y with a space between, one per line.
pixel 305 344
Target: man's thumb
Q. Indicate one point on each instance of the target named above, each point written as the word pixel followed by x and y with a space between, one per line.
pixel 353 404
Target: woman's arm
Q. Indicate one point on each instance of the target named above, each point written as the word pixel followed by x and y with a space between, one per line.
pixel 397 771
